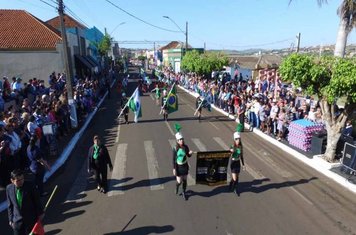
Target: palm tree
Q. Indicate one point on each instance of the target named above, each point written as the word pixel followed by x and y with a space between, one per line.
pixel 347 13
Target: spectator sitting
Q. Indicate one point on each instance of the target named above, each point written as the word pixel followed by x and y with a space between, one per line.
pixel 347 131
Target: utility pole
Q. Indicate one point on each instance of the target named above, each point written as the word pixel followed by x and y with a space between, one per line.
pixel 68 72
pixel 186 36
pixel 298 42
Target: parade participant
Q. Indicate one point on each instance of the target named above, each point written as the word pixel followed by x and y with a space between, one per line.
pixel 157 91
pixel 236 160
pixel 164 107
pixel 24 205
pixel 125 107
pixel 180 164
pixel 199 106
pixel 98 160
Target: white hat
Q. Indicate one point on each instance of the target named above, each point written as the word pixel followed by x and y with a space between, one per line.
pixel 179 136
pixel 237 135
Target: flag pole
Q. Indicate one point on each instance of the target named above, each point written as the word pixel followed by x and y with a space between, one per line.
pixel 50 198
pixel 122 110
pixel 195 113
pixel 164 104
pixel 38 224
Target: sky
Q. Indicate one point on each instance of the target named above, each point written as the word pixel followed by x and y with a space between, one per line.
pixel 217 24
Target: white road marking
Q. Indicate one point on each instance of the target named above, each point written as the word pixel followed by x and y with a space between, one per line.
pixel 255 174
pixel 170 128
pixel 199 145
pixel 301 195
pixel 118 132
pixel 214 125
pixel 268 161
pixel 190 179
pixel 152 166
pixel 187 103
pixel 152 97
pixel 119 170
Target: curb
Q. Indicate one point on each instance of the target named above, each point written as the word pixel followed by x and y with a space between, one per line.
pixel 316 162
pixel 67 151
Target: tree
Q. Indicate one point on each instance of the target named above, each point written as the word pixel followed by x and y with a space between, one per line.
pixel 104 45
pixel 347 13
pixel 203 64
pixel 330 78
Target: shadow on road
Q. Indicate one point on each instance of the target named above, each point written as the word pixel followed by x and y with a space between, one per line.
pixel 62 214
pixel 145 230
pixel 114 183
pixel 53 232
pixel 250 187
pixel 148 182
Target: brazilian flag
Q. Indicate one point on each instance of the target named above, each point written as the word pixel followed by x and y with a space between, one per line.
pixel 172 100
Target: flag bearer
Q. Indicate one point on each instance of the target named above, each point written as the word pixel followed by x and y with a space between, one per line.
pixel 125 107
pixel 165 105
pixel 199 106
pixel 181 153
pixel 236 160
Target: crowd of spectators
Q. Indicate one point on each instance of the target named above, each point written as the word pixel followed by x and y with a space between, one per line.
pixel 28 110
pixel 264 103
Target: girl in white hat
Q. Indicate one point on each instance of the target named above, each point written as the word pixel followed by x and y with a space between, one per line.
pixel 236 160
pixel 181 153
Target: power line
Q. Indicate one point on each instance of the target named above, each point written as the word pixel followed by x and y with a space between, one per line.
pixel 155 26
pixel 48 4
pixel 76 17
pixel 255 45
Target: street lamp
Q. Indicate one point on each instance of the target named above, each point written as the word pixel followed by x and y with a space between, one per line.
pixel 117 27
pixel 185 33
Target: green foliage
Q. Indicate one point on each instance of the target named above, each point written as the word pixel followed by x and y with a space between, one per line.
pixel 202 64
pixel 328 77
pixel 104 45
pixel 141 57
pixel 343 81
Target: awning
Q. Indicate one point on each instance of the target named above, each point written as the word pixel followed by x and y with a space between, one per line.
pixel 84 62
pixel 92 60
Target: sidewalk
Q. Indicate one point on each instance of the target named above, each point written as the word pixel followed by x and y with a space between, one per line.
pixel 334 171
pixel 69 146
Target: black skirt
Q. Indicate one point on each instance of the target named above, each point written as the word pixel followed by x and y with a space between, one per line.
pixel 182 169
pixel 235 167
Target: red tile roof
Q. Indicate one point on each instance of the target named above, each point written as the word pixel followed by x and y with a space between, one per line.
pixel 19 30
pixel 69 22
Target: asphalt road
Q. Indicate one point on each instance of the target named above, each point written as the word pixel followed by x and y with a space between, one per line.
pixel 279 195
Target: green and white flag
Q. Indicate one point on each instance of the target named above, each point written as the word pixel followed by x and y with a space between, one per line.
pixel 135 104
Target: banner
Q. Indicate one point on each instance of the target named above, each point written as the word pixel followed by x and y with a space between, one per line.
pixel 212 167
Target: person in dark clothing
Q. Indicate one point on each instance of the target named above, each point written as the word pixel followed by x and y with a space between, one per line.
pixel 98 160
pixel 236 160
pixel 6 161
pixel 199 106
pixel 37 164
pixel 180 164
pixel 125 111
pixel 24 205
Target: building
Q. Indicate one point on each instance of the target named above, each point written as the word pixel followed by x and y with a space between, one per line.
pixel 250 66
pixel 173 53
pixel 82 43
pixel 29 47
